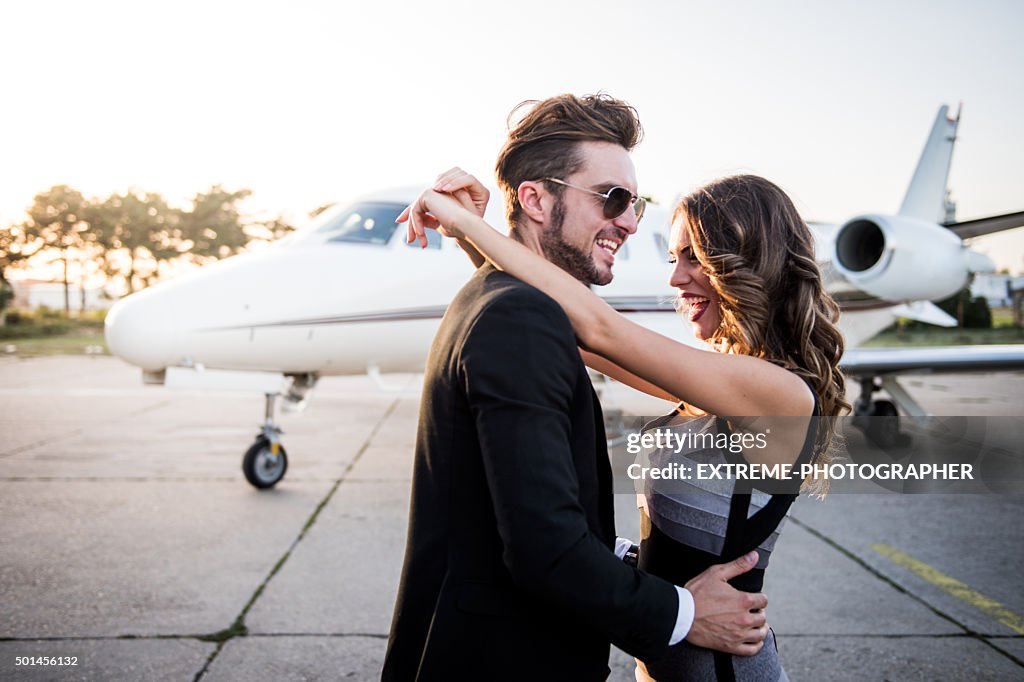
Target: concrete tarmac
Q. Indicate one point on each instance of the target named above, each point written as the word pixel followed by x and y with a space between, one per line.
pixel 132 545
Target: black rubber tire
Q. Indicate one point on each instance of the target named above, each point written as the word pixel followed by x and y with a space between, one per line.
pixel 883 428
pixel 254 465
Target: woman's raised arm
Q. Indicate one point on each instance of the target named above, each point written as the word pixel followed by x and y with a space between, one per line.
pixel 718 383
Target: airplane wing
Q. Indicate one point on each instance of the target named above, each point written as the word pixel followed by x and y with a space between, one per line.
pixel 879 368
pixel 944 359
pixel 983 226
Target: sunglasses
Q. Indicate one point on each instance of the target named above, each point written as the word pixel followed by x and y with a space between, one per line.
pixel 616 200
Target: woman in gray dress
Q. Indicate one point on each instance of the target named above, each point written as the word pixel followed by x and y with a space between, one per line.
pixel 743 262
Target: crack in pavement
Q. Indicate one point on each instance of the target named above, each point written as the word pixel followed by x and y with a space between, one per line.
pixel 238 627
pixel 80 430
pixel 198 638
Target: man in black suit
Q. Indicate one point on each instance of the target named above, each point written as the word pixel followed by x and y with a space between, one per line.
pixel 510 572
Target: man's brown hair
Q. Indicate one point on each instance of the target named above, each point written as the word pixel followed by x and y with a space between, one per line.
pixel 545 141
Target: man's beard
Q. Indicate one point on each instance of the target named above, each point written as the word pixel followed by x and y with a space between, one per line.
pixel 578 263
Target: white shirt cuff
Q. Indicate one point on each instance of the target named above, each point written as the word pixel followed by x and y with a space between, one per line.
pixel 684 620
pixel 622 546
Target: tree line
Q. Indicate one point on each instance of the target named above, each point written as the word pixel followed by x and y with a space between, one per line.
pixel 131 237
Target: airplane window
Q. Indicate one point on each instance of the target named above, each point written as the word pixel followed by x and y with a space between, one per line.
pixel 660 243
pixel 368 223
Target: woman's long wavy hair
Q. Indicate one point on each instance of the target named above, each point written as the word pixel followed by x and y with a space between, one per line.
pixel 759 256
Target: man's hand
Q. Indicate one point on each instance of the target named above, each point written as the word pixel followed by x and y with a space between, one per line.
pixel 725 618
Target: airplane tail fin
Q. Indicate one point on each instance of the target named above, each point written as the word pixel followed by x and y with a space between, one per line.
pixel 926 196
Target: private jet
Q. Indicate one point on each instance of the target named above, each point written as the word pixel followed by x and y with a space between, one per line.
pixel 347 295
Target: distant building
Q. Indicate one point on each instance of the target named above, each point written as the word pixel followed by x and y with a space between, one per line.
pixel 996 289
pixel 30 294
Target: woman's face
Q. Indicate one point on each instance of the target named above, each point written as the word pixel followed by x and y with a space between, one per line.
pixel 698 300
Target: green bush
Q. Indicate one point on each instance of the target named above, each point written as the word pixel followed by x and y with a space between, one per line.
pixel 6 294
pixel 976 311
pixel 45 313
pixel 21 324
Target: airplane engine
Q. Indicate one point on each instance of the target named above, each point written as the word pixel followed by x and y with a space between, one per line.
pixel 895 258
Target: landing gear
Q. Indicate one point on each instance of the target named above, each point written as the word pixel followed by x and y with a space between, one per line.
pixel 884 426
pixel 878 419
pixel 265 462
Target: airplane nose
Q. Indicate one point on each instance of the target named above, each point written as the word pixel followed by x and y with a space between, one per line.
pixel 133 332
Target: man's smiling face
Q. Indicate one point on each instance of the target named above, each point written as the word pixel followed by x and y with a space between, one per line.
pixel 580 239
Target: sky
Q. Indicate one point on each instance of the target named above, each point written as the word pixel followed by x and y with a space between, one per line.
pixel 307 102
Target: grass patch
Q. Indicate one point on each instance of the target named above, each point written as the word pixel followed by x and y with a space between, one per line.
pixel 1002 317
pixel 70 344
pixel 237 629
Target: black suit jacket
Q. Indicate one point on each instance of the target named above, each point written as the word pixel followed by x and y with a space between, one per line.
pixel 508 571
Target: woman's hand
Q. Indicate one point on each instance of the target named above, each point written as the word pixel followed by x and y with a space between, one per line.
pixel 455 194
pixel 433 210
pixel 470 191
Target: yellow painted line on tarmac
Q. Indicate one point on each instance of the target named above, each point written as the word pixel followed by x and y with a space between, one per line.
pixel 954 587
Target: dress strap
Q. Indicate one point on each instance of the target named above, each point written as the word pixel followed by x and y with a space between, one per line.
pixel 744 532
